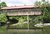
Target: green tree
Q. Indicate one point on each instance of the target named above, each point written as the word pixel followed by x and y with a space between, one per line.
pixel 0 5
pixel 38 3
pixel 3 18
pixel 3 4
pixel 43 4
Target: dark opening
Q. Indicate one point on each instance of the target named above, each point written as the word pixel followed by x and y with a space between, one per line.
pixel 12 21
pixel 46 20
pixel 2 23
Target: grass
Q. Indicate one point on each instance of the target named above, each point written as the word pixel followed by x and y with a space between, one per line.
pixel 46 30
pixel 2 28
pixel 22 32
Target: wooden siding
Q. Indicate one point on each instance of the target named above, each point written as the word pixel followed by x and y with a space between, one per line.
pixel 29 11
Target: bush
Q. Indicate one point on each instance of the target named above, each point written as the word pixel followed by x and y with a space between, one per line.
pixel 3 18
pixel 19 26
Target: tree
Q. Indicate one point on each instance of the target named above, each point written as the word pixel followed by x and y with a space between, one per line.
pixel 0 6
pixel 3 4
pixel 3 18
pixel 43 4
pixel 38 3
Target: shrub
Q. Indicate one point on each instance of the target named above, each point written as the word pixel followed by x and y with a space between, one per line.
pixel 3 18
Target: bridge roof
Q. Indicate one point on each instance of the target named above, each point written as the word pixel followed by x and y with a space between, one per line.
pixel 17 7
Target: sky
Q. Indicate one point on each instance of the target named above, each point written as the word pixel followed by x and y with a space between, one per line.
pixel 19 2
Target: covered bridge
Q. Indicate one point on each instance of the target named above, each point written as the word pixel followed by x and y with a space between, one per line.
pixel 21 10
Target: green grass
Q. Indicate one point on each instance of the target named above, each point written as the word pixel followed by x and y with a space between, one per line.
pixel 22 32
pixel 2 28
pixel 46 30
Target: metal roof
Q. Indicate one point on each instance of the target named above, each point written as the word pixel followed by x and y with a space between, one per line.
pixel 17 7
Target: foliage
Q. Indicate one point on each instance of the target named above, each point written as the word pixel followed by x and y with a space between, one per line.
pixel 3 18
pixel 2 29
pixel 37 3
pixel 0 4
pixel 3 4
pixel 21 19
pixel 46 15
pixel 43 4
